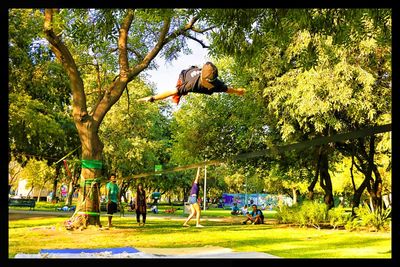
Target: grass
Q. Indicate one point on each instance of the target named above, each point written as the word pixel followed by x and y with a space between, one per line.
pixel 30 235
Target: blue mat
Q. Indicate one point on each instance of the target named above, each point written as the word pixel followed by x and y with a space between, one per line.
pixel 79 250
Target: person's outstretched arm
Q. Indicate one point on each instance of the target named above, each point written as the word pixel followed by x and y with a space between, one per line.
pixel 159 96
pixel 196 180
pixel 237 91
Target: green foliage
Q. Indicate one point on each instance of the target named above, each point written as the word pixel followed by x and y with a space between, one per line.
pixel 308 213
pixel 286 214
pixel 133 135
pixel 37 173
pixel 338 217
pixel 312 213
pixel 39 121
pixel 376 220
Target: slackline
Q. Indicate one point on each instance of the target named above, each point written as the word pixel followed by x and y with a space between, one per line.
pixel 280 149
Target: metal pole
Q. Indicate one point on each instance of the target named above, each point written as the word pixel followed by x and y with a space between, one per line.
pixel 245 199
pixel 205 186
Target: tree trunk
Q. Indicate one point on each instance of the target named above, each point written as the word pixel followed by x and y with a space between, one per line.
pixel 72 187
pixel 30 191
pixel 357 196
pixel 40 192
pixel 377 202
pixel 326 182
pixel 374 187
pixel 294 191
pixel 89 194
pixel 55 182
pixel 68 200
pixel 310 188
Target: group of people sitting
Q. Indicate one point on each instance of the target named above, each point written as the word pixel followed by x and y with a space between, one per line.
pixel 255 216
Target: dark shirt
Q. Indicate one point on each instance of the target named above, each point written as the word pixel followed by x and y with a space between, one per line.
pixel 254 214
pixel 195 189
pixel 190 82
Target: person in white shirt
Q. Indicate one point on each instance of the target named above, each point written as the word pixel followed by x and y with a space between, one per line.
pixel 244 210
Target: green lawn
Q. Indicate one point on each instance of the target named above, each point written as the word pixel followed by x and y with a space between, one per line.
pixel 30 235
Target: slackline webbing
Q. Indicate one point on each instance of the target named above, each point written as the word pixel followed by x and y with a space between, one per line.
pixel 67 154
pixel 280 149
pixel 89 213
pixel 91 164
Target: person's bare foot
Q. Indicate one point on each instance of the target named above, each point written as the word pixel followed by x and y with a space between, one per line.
pixel 199 225
pixel 186 225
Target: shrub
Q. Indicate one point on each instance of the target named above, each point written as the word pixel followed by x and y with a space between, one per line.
pixel 376 220
pixel 338 217
pixel 312 213
pixel 308 213
pixel 287 214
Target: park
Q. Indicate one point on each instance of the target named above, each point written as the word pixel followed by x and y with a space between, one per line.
pixel 289 114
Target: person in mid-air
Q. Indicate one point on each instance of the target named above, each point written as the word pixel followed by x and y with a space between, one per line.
pixel 196 80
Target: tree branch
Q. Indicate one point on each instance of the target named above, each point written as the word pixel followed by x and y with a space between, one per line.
pixel 64 56
pixel 122 45
pixel 202 30
pixel 197 40
pixel 153 52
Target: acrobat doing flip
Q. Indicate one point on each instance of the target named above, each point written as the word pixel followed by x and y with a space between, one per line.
pixel 196 80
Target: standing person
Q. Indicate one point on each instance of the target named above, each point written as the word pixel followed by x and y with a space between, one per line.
pixel 112 197
pixel 140 204
pixel 196 80
pixel 193 201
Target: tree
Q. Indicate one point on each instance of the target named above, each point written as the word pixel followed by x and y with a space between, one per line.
pixel 136 38
pixel 38 174
pixel 40 125
pixel 322 70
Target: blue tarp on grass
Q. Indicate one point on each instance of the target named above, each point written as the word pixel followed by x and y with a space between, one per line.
pixel 99 250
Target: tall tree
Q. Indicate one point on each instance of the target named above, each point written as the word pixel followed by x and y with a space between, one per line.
pixel 40 125
pixel 126 41
pixel 322 71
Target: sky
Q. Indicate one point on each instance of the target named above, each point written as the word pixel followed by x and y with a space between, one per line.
pixel 166 75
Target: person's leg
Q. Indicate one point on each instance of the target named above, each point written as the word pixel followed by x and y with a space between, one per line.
pixel 109 219
pixel 247 219
pixel 144 218
pixel 159 96
pixel 198 213
pixel 109 214
pixel 257 220
pixel 138 216
pixel 192 212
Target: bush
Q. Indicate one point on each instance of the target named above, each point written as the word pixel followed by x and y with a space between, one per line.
pixel 308 213
pixel 338 217
pixel 287 214
pixel 376 220
pixel 312 213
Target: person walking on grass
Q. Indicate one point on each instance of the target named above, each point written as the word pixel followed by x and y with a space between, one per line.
pixel 196 80
pixel 193 201
pixel 140 204
pixel 112 197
